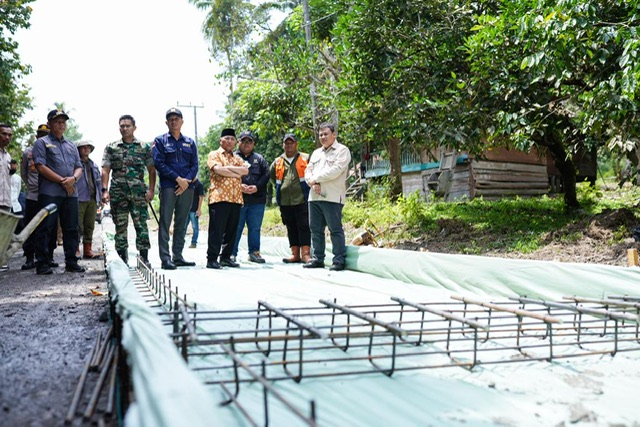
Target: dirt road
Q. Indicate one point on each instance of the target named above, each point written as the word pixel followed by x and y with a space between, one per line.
pixel 48 327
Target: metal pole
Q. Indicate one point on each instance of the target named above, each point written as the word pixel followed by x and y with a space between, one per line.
pixel 195 117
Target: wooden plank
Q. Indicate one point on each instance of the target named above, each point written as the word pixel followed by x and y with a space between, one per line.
pixel 520 167
pixel 507 192
pixel 510 177
pixel 512 185
pixel 500 154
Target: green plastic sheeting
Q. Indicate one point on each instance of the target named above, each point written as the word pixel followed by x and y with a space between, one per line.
pixel 166 391
pixel 480 275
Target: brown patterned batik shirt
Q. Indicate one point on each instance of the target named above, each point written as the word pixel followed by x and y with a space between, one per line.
pixel 223 188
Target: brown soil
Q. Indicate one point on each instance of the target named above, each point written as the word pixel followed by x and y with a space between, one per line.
pixel 601 239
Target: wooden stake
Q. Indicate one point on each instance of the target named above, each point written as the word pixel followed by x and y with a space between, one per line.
pixel 632 257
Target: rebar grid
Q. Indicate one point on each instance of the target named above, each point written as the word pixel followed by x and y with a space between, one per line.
pixel 175 311
pixel 267 344
pixel 333 339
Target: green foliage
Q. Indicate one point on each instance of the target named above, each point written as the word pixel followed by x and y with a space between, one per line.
pixel 73 130
pixel 418 75
pixel 14 94
pixel 413 210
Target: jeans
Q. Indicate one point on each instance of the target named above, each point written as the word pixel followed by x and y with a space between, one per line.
pixel 195 226
pixel 251 215
pixel 322 215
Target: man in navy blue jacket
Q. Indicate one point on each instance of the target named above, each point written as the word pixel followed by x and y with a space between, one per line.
pixel 176 160
pixel 254 195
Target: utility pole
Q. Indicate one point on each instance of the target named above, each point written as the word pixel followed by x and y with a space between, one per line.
pixel 195 117
pixel 307 37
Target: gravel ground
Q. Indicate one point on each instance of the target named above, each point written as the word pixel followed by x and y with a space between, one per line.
pixel 48 327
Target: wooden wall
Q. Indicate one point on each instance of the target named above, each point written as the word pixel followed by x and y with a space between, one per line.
pixel 498 173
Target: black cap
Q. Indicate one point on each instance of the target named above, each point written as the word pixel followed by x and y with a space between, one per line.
pixel 290 136
pixel 173 111
pixel 56 113
pixel 247 134
pixel 42 130
pixel 228 132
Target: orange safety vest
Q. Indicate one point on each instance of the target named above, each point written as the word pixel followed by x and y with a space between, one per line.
pixel 301 167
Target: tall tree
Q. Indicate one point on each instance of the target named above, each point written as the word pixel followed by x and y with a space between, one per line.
pixel 556 74
pixel 227 27
pixel 14 94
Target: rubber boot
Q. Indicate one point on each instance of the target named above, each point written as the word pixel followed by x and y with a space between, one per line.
pixel 295 256
pixel 305 254
pixel 88 253
pixel 124 256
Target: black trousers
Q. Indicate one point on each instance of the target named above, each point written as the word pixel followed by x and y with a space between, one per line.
pixel 68 213
pixel 296 219
pixel 29 246
pixel 223 223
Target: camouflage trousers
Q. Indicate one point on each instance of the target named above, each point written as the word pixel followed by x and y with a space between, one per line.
pixel 125 204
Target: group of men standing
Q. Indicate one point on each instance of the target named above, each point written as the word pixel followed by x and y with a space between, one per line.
pixel 310 192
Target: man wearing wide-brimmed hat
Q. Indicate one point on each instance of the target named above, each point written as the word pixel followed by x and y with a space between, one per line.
pixel 89 197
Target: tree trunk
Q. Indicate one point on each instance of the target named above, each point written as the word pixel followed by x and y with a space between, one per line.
pixel 564 163
pixel 395 172
pixel 231 89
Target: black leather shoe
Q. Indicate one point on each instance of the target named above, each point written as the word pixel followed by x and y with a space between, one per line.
pixel 214 264
pixel 74 268
pixel 53 264
pixel 314 263
pixel 226 262
pixel 183 263
pixel 29 265
pixel 45 269
pixel 336 266
pixel 168 265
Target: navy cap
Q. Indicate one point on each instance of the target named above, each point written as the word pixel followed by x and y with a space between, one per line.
pixel 56 113
pixel 290 136
pixel 247 134
pixel 173 111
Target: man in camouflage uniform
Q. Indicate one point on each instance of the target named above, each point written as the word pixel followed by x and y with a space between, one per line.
pixel 128 194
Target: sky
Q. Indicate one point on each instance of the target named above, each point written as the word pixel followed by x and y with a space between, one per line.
pixel 106 59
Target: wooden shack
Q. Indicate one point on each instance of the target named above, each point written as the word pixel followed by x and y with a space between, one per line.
pixel 496 174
